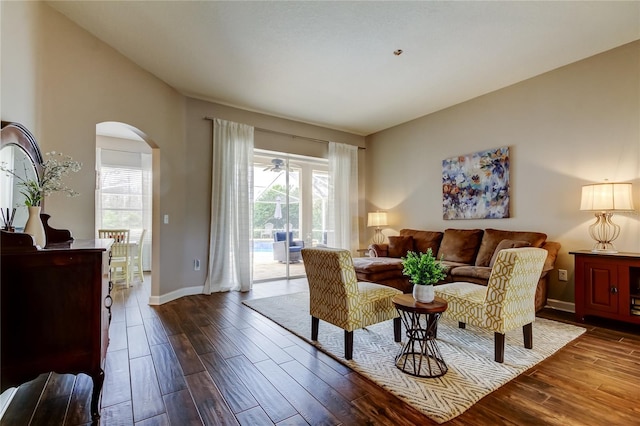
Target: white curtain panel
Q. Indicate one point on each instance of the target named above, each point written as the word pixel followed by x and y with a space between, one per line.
pixel 231 239
pixel 343 197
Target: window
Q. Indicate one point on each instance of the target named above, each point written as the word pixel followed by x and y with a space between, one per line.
pixel 123 199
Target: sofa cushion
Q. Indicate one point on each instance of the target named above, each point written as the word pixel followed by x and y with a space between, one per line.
pixel 461 272
pixel 460 245
pixel 505 244
pixel 424 240
pixel 377 268
pixel 492 238
pixel 400 245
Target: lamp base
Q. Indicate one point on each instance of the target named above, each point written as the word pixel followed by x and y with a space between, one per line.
pixel 604 248
pixel 604 231
pixel 378 237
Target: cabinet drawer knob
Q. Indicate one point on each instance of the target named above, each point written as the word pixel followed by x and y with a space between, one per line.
pixel 614 290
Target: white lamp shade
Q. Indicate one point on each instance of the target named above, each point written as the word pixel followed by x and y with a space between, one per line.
pixel 377 219
pixel 607 197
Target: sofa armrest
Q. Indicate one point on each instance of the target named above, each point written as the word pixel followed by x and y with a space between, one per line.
pixel 552 248
pixel 379 250
pixel 297 243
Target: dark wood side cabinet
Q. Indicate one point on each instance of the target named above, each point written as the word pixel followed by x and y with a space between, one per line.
pixel 55 310
pixel 607 285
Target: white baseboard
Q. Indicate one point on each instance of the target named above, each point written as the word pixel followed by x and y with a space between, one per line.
pixel 177 294
pixel 561 305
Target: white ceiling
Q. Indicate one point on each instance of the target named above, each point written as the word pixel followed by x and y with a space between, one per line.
pixel 332 63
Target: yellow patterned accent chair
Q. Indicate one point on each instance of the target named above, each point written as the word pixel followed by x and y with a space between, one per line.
pixel 506 303
pixel 338 298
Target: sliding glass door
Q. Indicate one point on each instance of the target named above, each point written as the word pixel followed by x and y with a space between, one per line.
pixel 288 200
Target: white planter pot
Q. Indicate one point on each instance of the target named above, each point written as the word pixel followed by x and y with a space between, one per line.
pixel 423 293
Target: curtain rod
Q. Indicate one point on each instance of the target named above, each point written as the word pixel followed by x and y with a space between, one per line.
pixel 275 132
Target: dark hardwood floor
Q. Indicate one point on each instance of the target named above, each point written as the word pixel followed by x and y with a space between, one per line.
pixel 211 360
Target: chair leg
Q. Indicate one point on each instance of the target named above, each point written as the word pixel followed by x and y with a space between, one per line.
pixel 348 344
pixel 499 346
pixel 397 329
pixel 462 324
pixel 315 322
pixel 527 331
pixel 140 271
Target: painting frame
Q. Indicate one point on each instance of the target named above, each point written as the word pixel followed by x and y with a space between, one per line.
pixel 476 185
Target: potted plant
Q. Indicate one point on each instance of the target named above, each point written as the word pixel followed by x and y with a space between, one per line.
pixel 34 190
pixel 423 270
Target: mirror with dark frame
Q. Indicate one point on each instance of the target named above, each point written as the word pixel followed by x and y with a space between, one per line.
pixel 19 153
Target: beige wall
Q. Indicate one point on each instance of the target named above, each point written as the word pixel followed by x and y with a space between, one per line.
pixel 576 125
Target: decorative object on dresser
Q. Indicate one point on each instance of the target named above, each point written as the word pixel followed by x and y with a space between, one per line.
pixel 377 219
pixel 34 226
pixel 605 199
pixel 423 270
pixel 607 285
pixel 54 300
pixel 7 219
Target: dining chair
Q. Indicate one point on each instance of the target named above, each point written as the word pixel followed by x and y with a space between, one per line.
pixel 336 296
pixel 120 260
pixel 136 257
pixel 506 303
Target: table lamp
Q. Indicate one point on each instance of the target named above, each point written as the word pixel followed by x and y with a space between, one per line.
pixel 604 199
pixel 377 219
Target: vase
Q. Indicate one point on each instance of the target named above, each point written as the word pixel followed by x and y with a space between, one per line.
pixel 35 228
pixel 423 293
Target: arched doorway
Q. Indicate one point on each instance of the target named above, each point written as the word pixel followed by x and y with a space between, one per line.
pixel 125 191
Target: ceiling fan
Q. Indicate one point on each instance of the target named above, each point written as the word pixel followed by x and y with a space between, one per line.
pixel 277 165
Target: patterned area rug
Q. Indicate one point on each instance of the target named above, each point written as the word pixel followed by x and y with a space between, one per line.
pixel 468 353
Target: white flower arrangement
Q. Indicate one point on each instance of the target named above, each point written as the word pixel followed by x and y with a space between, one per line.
pixel 54 168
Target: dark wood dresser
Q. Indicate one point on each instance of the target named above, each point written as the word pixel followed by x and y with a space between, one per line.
pixel 56 308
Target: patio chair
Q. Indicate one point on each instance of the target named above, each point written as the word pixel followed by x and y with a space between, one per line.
pixel 267 232
pixel 280 248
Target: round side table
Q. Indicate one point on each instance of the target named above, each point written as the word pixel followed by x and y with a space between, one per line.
pixel 420 356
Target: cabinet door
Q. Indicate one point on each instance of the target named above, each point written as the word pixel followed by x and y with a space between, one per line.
pixel 601 287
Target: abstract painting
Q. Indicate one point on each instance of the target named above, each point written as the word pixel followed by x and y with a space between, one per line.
pixel 476 186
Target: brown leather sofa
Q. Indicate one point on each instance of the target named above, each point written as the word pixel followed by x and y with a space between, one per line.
pixel 469 254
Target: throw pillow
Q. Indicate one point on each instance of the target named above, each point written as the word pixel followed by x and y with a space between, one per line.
pixel 423 240
pixel 492 238
pixel 399 246
pixel 505 244
pixel 460 245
